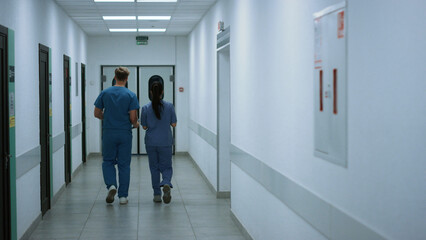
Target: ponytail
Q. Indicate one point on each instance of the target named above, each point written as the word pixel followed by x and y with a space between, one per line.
pixel 157 105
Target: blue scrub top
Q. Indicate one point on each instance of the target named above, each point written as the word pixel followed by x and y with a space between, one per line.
pixel 117 101
pixel 159 132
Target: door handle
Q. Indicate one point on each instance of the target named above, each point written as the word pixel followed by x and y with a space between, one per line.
pixel 6 163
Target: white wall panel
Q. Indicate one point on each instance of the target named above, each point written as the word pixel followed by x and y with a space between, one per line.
pixel 36 22
pixel 205 157
pixel 272 46
pixel 58 176
pixel 27 199
pixel 274 223
pixel 76 152
pixel 182 98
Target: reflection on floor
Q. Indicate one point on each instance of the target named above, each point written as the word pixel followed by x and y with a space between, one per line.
pixel 194 212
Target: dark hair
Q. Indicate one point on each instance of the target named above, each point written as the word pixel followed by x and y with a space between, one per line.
pixel 121 73
pixel 156 91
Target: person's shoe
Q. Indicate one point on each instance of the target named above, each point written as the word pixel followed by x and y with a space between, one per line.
pixel 123 200
pixel 111 193
pixel 166 193
pixel 157 198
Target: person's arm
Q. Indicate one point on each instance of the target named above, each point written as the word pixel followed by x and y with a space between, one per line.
pixel 134 118
pixel 174 119
pixel 99 113
pixel 144 122
pixel 133 111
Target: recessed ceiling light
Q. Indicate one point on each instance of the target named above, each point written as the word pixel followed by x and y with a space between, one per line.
pixel 152 29
pixel 154 17
pixel 122 29
pixel 157 0
pixel 119 17
pixel 114 0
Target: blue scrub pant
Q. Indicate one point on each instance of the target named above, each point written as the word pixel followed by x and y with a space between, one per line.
pixel 160 162
pixel 117 149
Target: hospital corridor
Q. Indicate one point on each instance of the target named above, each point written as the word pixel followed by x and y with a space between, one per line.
pixel 212 119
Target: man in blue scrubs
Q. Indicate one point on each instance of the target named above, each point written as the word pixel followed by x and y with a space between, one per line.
pixel 117 106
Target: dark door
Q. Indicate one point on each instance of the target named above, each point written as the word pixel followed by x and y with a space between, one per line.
pixel 67 119
pixel 83 111
pixel 4 145
pixel 44 128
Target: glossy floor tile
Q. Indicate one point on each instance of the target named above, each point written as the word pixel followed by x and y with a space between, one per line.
pixel 193 214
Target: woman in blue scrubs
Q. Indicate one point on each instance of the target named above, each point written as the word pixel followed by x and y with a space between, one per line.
pixel 117 107
pixel 156 118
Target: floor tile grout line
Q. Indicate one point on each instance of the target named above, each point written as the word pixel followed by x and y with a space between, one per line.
pixel 90 212
pixel 139 198
pixel 186 210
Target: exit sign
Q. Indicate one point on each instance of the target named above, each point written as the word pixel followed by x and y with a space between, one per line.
pixel 142 40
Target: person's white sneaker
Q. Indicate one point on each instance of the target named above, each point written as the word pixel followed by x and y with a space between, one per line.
pixel 157 198
pixel 111 194
pixel 123 200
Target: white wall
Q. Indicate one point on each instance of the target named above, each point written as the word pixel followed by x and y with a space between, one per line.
pixel 203 88
pixel 272 45
pixel 122 50
pixel 37 22
pixel 181 98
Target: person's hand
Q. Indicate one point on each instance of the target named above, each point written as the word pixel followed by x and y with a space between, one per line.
pixel 136 125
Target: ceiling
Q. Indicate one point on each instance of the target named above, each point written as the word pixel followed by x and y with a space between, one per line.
pixel 185 14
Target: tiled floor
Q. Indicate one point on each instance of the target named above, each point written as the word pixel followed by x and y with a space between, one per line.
pixel 194 213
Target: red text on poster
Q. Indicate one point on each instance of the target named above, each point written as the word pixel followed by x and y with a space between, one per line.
pixel 341 24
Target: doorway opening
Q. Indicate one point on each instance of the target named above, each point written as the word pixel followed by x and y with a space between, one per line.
pixel 44 128
pixel 223 122
pixel 5 218
pixel 67 119
pixel 83 112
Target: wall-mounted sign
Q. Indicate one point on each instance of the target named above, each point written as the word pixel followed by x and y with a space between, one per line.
pixel 220 26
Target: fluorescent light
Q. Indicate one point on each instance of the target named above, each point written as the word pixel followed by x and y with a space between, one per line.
pixel 114 0
pixel 157 0
pixel 152 29
pixel 122 29
pixel 154 17
pixel 119 17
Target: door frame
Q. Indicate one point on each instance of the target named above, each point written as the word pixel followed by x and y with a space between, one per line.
pixel 83 112
pixel 45 134
pixel 223 122
pixel 67 118
pixel 5 194
pixel 138 96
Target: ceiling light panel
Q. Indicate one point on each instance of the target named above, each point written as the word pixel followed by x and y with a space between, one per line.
pixel 114 0
pixel 156 1
pixel 152 29
pixel 154 17
pixel 88 14
pixel 119 17
pixel 122 30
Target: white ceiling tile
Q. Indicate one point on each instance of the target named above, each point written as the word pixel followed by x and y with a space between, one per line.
pixel 88 14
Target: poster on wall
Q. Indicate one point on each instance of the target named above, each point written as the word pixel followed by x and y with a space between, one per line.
pixel 318 43
pixel 330 118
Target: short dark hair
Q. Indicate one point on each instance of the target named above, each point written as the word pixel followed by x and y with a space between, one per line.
pixel 121 73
